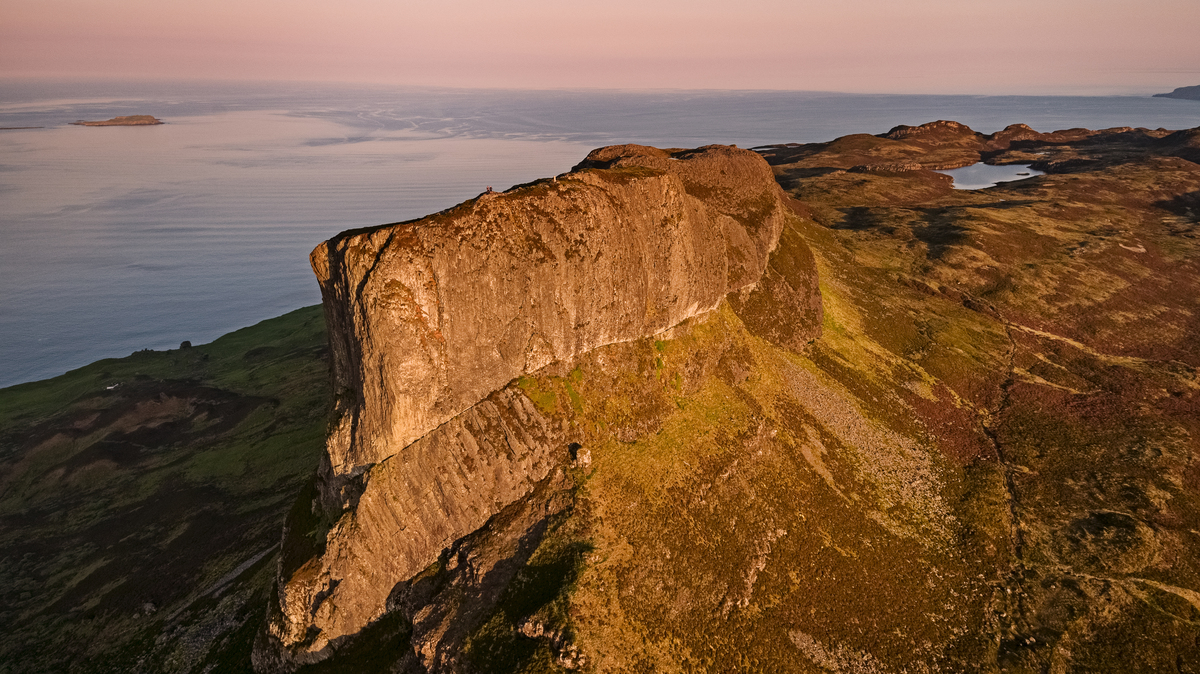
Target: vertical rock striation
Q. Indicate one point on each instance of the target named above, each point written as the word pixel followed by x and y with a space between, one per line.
pixel 430 320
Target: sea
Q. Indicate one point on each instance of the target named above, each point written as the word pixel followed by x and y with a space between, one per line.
pixel 118 239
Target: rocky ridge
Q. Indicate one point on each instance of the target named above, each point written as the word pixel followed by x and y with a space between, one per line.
pixel 943 145
pixel 429 317
pixel 431 320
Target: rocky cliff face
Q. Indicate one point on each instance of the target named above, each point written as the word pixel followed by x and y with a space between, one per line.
pixel 431 320
pixel 429 317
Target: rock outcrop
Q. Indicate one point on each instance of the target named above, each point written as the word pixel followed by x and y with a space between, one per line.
pixel 942 145
pixel 428 317
pixel 430 320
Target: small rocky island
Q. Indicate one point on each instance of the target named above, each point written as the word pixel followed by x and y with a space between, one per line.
pixel 1185 93
pixel 130 120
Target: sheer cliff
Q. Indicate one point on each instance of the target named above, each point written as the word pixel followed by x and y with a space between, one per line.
pixel 431 320
pixel 429 317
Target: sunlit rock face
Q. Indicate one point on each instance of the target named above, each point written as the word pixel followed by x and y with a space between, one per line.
pixel 430 319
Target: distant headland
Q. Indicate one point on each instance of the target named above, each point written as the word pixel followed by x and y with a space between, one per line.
pixel 1186 93
pixel 130 120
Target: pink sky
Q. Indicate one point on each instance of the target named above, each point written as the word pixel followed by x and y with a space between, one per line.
pixel 884 46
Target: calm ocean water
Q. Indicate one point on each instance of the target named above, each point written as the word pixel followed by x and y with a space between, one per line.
pixel 120 239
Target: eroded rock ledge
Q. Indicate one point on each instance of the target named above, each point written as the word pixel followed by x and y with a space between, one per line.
pixel 430 321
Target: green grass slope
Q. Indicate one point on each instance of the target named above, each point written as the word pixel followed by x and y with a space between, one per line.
pixel 141 500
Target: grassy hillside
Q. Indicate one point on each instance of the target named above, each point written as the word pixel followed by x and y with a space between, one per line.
pixel 141 500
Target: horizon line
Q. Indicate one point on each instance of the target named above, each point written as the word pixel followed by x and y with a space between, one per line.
pixel 137 80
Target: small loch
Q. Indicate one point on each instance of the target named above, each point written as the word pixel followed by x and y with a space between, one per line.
pixel 980 175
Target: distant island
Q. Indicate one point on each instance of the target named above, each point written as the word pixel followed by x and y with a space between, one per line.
pixel 130 120
pixel 1186 93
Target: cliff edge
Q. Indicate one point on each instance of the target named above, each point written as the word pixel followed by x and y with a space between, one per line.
pixel 431 320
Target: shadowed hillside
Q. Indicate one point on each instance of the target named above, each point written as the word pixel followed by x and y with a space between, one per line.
pixel 141 497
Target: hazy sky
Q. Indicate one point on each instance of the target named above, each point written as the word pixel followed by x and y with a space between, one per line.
pixel 885 46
